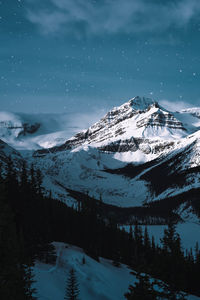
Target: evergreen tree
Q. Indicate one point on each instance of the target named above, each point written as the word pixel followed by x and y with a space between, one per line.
pixel 41 220
pixel 142 290
pixel 153 245
pixel 28 282
pixel 172 262
pixel 32 179
pixel 47 253
pixel 15 277
pixel 145 289
pixel 138 234
pixel 38 179
pixel 147 242
pixel 24 177
pixel 171 241
pixel 72 289
pixel 116 258
pixel 170 292
pixel 197 253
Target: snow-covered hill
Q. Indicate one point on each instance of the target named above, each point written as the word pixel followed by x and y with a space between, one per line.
pixel 97 280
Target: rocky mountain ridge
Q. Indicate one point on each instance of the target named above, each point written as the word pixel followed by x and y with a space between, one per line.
pixel 138 153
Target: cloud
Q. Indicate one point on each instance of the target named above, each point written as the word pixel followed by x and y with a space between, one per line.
pixel 48 22
pixel 175 105
pixel 111 16
pixel 85 120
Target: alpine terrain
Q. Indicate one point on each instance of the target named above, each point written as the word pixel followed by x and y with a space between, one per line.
pixel 138 155
pixel 115 203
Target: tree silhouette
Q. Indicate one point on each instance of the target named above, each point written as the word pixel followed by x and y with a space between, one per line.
pixel 142 290
pixel 72 289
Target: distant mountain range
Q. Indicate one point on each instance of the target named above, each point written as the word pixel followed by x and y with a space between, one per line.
pixel 138 155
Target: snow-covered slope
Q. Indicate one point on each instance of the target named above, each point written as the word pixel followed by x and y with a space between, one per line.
pixel 84 170
pixel 137 153
pixel 135 124
pixel 190 118
pixel 195 111
pixel 97 280
pixel 129 127
pixel 7 152
pixel 38 131
pixel 13 127
pixel 138 132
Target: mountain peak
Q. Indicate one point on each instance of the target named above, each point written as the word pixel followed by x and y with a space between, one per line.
pixel 124 127
pixel 141 103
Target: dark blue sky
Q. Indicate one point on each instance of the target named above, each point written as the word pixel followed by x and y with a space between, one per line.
pixel 84 55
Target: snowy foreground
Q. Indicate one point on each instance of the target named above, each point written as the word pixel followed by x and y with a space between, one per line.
pixel 97 280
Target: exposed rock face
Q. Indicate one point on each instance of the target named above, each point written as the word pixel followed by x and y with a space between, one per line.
pixel 137 153
pixel 29 128
pixel 162 119
pixel 121 146
pixel 17 129
pixel 126 127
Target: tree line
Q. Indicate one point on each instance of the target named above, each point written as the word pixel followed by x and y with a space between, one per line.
pixel 30 221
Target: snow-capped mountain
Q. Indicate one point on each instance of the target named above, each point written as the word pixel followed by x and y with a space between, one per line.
pixel 131 126
pixel 137 153
pixel 195 111
pixel 13 127
pixel 38 131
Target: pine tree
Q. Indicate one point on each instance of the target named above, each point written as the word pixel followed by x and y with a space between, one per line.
pixel 32 179
pixel 170 292
pixel 145 289
pixel 39 178
pixel 28 281
pixel 15 277
pixel 24 177
pixel 197 253
pixel 172 262
pixel 72 289
pixel 153 245
pixel 138 235
pixel 171 241
pixel 142 290
pixel 147 242
pixel 46 252
pixel 138 243
pixel 116 258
